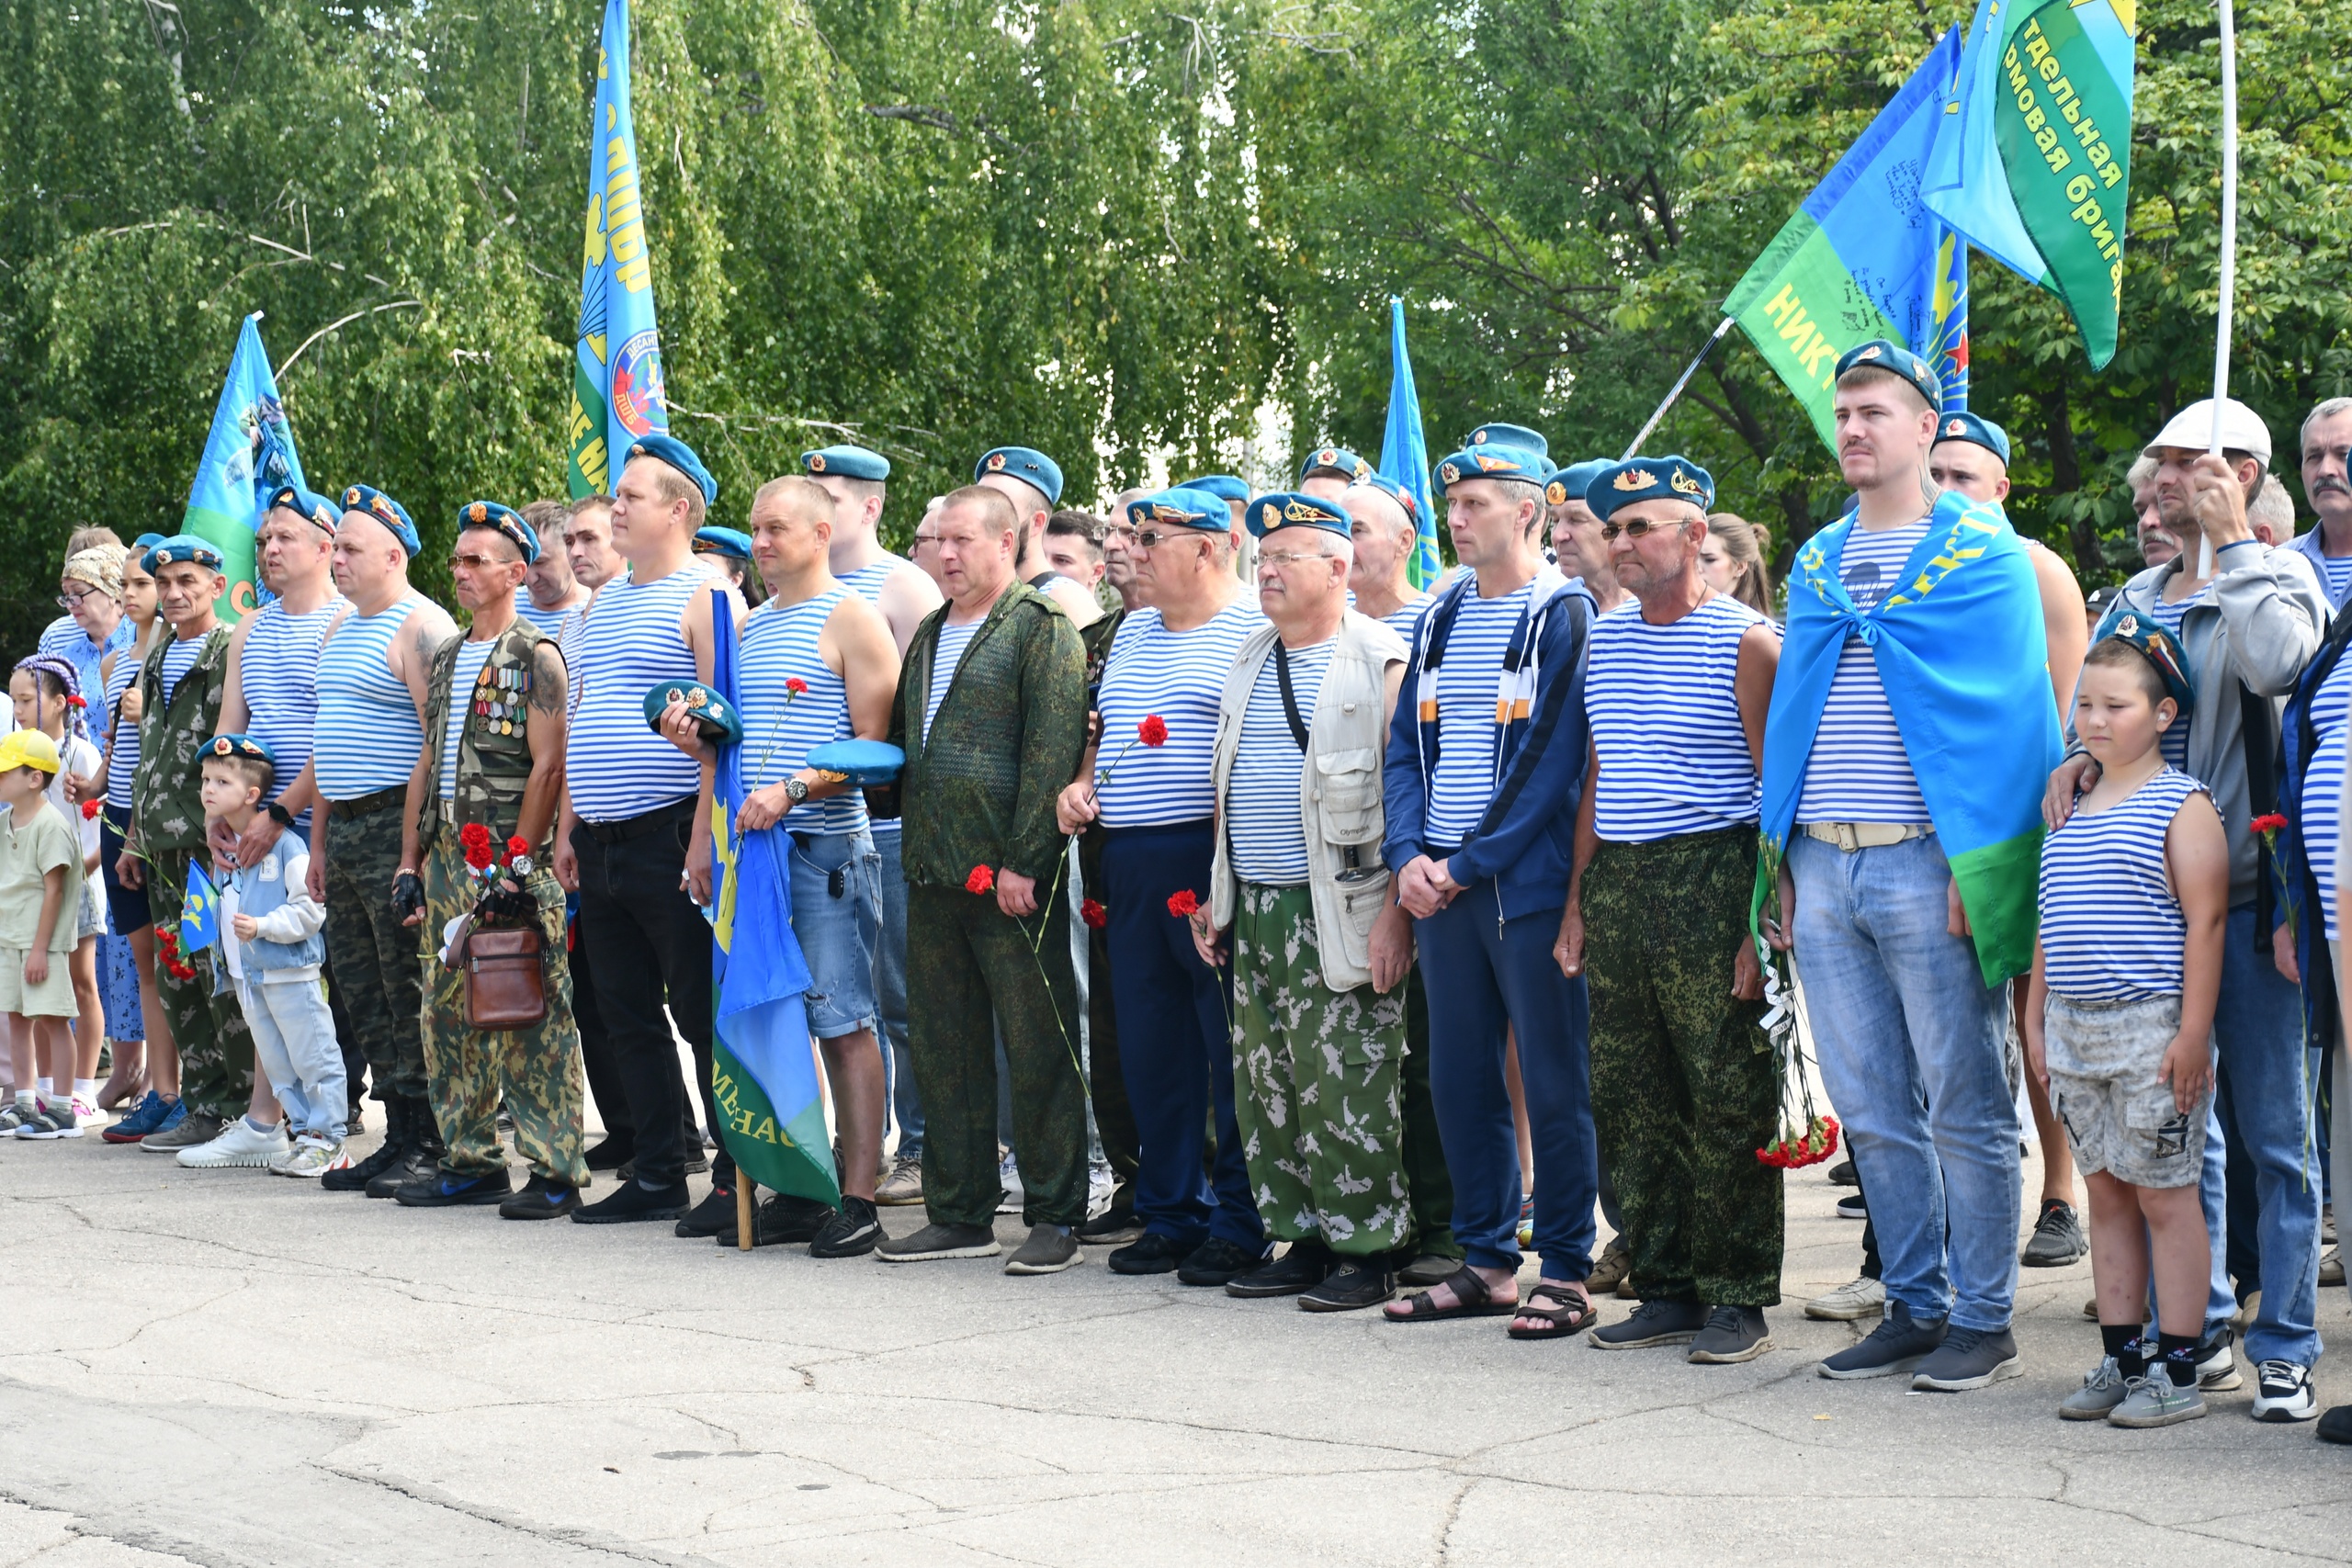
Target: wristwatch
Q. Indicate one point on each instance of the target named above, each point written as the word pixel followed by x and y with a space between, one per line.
pixel 279 814
pixel 796 789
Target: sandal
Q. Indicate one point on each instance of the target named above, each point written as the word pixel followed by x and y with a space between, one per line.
pixel 1471 1296
pixel 1573 1313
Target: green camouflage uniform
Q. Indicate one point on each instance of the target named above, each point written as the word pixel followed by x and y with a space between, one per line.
pixel 534 1072
pixel 1684 1085
pixel 216 1050
pixel 1319 1102
pixel 978 790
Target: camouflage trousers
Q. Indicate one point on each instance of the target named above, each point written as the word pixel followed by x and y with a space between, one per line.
pixel 1684 1086
pixel 374 956
pixel 1318 1095
pixel 216 1048
pixel 535 1072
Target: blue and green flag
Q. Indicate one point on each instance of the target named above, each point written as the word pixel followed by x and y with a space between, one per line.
pixel 1863 257
pixel 199 910
pixel 249 453
pixel 616 386
pixel 1404 449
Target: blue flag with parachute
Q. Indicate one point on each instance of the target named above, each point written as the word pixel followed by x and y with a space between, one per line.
pixel 199 910
pixel 1404 449
pixel 248 454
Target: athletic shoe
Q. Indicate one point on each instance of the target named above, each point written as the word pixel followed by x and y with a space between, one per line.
pixel 1843 1174
pixel 634 1201
pixel 1968 1358
pixel 1012 1196
pixel 1652 1323
pixel 2057 1240
pixel 1897 1344
pixel 1848 1303
pixel 1112 1227
pixel 1852 1207
pixel 1151 1253
pixel 2156 1401
pixel 782 1220
pixel 903 1185
pixel 443 1190
pixel 2103 1389
pixel 1218 1261
pixel 16 1114
pixel 1049 1250
pixel 1300 1269
pixel 540 1200
pixel 239 1145
pixel 54 1118
pixel 87 1110
pixel 2283 1393
pixel 1733 1334
pixel 937 1241
pixel 2335 1427
pixel 311 1156
pixel 715 1215
pixel 855 1230
pixel 194 1129
pixel 148 1116
pixel 1527 1220
pixel 418 1162
pixel 1356 1283
pixel 2331 1267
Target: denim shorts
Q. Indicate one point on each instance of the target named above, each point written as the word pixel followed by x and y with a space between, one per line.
pixel 837 915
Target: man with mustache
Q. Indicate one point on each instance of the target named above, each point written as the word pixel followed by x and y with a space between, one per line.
pixel 2328 437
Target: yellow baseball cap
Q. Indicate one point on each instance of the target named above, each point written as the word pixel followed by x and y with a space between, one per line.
pixel 28 749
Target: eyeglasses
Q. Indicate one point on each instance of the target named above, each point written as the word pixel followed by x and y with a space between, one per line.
pixel 1152 538
pixel 70 601
pixel 1284 559
pixel 472 562
pixel 1633 530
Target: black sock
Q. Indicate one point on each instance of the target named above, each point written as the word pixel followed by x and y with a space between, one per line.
pixel 2178 1352
pixel 2123 1342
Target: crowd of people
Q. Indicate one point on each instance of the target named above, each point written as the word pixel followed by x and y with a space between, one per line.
pixel 1234 905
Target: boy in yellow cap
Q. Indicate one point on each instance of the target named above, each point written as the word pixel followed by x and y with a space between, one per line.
pixel 40 884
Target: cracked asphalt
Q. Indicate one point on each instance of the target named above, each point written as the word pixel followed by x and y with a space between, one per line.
pixel 229 1368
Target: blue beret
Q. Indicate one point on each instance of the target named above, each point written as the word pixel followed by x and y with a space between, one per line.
pixel 375 503
pixel 1025 464
pixel 1334 460
pixel 1516 435
pixel 2161 651
pixel 1649 478
pixel 149 541
pixel 1963 425
pixel 1185 507
pixel 1569 483
pixel 1289 509
pixel 679 455
pixel 847 463
pixel 715 714
pixel 723 542
pixel 1225 486
pixel 502 520
pixel 240 746
pixel 316 510
pixel 1492 462
pixel 861 762
pixel 183 547
pixel 1395 492
pixel 1893 357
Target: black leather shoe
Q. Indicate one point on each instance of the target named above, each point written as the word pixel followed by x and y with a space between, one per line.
pixel 615 1151
pixel 439 1190
pixel 1219 1262
pixel 1154 1254
pixel 1353 1284
pixel 715 1215
pixel 1301 1269
pixel 635 1200
pixel 540 1200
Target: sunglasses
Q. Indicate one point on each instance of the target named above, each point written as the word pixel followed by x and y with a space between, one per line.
pixel 473 563
pixel 1635 529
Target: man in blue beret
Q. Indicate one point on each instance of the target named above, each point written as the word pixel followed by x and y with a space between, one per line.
pixel 1032 481
pixel 1577 542
pixel 728 551
pixel 1484 770
pixel 370 725
pixel 550 590
pixel 1327 471
pixel 1518 436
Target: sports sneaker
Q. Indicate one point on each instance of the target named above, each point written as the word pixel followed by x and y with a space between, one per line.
pixel 1151 1253
pixel 903 1185
pixel 1733 1334
pixel 237 1145
pixel 148 1116
pixel 1854 1299
pixel 1112 1227
pixel 2103 1389
pixel 2216 1369
pixel 311 1156
pixel 86 1109
pixel 193 1129
pixel 439 1190
pixel 2331 1267
pixel 1218 1261
pixel 783 1220
pixel 1049 1250
pixel 937 1241
pixel 1852 1207
pixel 715 1215
pixel 54 1118
pixel 853 1231
pixel 1843 1174
pixel 1354 1284
pixel 1897 1344
pixel 2283 1393
pixel 1652 1323
pixel 1012 1195
pixel 2057 1238
pixel 1968 1358
pixel 540 1200
pixel 15 1115
pixel 2156 1401
pixel 2335 1427
pixel 1297 1271
pixel 1527 1220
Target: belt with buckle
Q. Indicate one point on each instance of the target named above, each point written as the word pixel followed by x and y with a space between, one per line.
pixel 1852 836
pixel 366 804
pixel 628 828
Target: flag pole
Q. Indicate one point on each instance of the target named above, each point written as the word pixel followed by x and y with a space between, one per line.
pixel 2229 247
pixel 1675 391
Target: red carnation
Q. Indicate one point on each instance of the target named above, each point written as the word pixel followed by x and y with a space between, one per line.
pixel 1093 914
pixel 981 880
pixel 474 839
pixel 517 845
pixel 796 686
pixel 1181 904
pixel 75 700
pixel 1817 1144
pixel 89 809
pixel 1153 730
pixel 2270 823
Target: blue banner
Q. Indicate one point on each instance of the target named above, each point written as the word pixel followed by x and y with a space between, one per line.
pixel 1404 450
pixel 249 453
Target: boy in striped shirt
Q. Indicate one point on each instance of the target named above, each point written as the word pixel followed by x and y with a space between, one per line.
pixel 2118 1020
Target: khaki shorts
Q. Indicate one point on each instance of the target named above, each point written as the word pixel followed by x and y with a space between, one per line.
pixel 54 998
pixel 2103 1058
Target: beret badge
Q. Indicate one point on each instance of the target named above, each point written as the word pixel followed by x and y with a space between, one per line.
pixel 222 748
pixel 1636 478
pixel 1684 482
pixel 996 462
pixel 815 462
pixel 1556 493
pixel 1449 473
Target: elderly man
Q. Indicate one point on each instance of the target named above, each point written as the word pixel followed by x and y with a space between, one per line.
pixel 492 756
pixel 1299 902
pixel 1032 483
pixel 2248 630
pixel 1685 1088
pixel 551 591
pixel 1481 779
pixel 991 713
pixel 2327 484
pixel 1327 471
pixel 2155 544
pixel 1577 542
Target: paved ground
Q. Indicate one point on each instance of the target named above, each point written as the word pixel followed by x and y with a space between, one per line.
pixel 231 1368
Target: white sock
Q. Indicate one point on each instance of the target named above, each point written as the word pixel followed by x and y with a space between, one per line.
pixel 24 1099
pixel 86 1088
pixel 47 1087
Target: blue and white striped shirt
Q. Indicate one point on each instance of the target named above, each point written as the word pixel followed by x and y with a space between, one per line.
pixel 953 642
pixel 2323 783
pixel 1181 677
pixel 1858 770
pixel 278 672
pixel 367 734
pixel 1261 798
pixel 779 645
pixel 2174 743
pixel 122 756
pixel 2112 928
pixel 179 658
pixel 549 621
pixel 866 583
pixel 615 765
pixel 471 656
pixel 569 637
pixel 2335 576
pixel 1407 620
pixel 1469 684
pixel 1664 718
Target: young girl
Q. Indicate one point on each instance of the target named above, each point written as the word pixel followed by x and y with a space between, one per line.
pixel 2118 1020
pixel 45 692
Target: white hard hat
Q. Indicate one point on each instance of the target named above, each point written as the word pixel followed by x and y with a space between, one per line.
pixel 2193 429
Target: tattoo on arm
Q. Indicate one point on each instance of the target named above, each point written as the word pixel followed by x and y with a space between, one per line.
pixel 549 685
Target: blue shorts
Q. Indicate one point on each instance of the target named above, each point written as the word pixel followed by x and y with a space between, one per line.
pixel 837 915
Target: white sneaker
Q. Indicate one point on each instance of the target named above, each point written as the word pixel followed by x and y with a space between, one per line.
pixel 2284 1392
pixel 1858 1299
pixel 238 1145
pixel 86 1109
pixel 311 1157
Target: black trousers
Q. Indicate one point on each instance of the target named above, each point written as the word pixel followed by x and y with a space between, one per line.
pixel 649 945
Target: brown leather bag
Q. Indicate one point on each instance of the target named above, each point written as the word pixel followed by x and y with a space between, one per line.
pixel 505 981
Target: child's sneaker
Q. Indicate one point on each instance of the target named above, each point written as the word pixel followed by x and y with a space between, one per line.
pixel 239 1144
pixel 2156 1401
pixel 142 1120
pixel 2103 1389
pixel 16 1116
pixel 311 1156
pixel 86 1110
pixel 53 1120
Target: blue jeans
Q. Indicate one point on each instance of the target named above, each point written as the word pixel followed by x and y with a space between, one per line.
pixel 1911 1042
pixel 296 1050
pixel 2263 1109
pixel 836 911
pixel 890 994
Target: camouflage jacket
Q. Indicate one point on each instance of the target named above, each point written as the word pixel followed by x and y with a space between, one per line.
pixel 495 746
pixel 979 789
pixel 167 800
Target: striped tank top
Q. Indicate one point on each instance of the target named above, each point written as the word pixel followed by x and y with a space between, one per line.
pixel 368 734
pixel 866 583
pixel 2323 799
pixel 279 674
pixel 471 656
pixel 615 765
pixel 567 640
pixel 1262 798
pixel 1179 676
pixel 1407 620
pixel 549 620
pixel 2174 742
pixel 953 642
pixel 1664 718
pixel 2335 577
pixel 2111 929
pixel 1858 769
pixel 1469 683
pixel 179 658
pixel 780 645
pixel 122 754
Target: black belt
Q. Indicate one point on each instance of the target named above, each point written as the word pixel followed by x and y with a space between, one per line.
pixel 629 828
pixel 367 805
